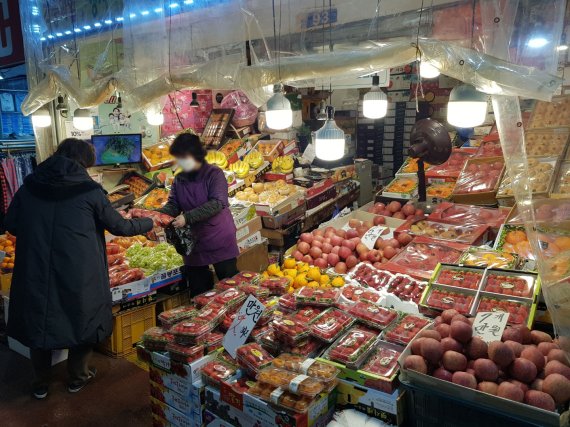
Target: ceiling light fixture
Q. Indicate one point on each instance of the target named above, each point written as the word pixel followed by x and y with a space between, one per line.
pixel 375 103
pixel 467 107
pixel 194 103
pixel 429 70
pixel 82 119
pixel 329 140
pixel 41 118
pixel 154 117
pixel 279 114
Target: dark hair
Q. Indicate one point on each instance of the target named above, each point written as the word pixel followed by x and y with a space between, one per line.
pixel 77 149
pixel 188 144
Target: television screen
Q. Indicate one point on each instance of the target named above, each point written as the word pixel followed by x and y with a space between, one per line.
pixel 117 149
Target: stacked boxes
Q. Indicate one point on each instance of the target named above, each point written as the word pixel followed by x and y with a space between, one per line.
pixel 398 124
pixel 369 137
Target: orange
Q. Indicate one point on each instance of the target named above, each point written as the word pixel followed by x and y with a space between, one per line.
pixel 515 237
pixel 563 243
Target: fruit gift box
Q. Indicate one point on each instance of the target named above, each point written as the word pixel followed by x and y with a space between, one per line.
pixel 370 276
pixel 270 149
pixel 253 357
pixel 353 347
pixel 468 234
pixel 439 191
pixel 328 325
pixel 452 213
pixel 546 142
pixel 280 398
pixel 410 166
pixel 479 181
pixel 458 276
pixel 402 187
pixel 373 315
pixel 450 170
pixel 421 256
pixel 490 149
pixel 405 329
pixel 299 384
pixel 406 288
pixel 157 157
pixel 491 258
pixel 443 298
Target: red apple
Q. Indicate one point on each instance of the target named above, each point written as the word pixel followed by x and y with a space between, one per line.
pixel 298 255
pixel 344 252
pixel 394 206
pixel 308 259
pixel 389 252
pixel 307 237
pixel 303 247
pixel 379 220
pixel 351 261
pixel 336 241
pixel 341 234
pixel 315 252
pixel 374 256
pixel 327 248
pixel 340 268
pixel 333 259
pixel 349 244
pixel 318 232
pixel 350 234
pixel 321 263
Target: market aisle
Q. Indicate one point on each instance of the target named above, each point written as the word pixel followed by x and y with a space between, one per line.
pixel 119 396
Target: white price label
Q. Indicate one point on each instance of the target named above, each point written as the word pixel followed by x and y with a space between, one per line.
pixel 244 322
pixel 489 325
pixel 370 237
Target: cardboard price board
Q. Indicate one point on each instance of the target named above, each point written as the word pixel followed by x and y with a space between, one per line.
pixel 244 322
pixel 489 325
pixel 370 237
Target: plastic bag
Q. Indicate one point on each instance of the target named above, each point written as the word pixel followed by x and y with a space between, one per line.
pixel 182 239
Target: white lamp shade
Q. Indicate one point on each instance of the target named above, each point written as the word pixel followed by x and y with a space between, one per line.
pixel 466 114
pixel 155 118
pixel 428 70
pixel 41 118
pixel 82 119
pixel 329 142
pixel 279 114
pixel 375 104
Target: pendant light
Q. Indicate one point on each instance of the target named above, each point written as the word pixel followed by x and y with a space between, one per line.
pixel 41 118
pixel 82 119
pixel 375 104
pixel 467 107
pixel 428 70
pixel 194 103
pixel 154 117
pixel 329 140
pixel 322 114
pixel 279 114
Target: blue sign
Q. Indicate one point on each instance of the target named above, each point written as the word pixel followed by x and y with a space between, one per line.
pixel 321 17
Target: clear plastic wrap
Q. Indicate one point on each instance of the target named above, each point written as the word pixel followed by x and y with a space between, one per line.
pixel 480 175
pixel 368 275
pixel 451 169
pixel 467 214
pixel 468 234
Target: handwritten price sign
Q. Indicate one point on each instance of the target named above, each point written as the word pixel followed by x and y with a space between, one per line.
pixel 244 322
pixel 489 325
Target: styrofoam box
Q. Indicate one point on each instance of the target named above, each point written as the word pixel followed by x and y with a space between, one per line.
pixel 57 356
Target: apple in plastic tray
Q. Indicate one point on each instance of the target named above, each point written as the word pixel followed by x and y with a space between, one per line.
pixel 373 315
pixel 518 312
pixel 309 296
pixel 253 357
pixel 426 256
pixel 306 314
pixel 406 288
pixel 508 285
pixel 479 177
pixel 383 362
pixel 459 278
pixel 371 276
pixel 356 293
pixel 490 149
pixel 466 214
pixel 444 300
pixel 406 329
pixel 352 345
pixel 330 324
pixel 217 371
pixel 276 285
pixel 204 298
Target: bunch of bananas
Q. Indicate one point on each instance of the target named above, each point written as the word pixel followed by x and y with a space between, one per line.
pixel 254 159
pixel 240 168
pixel 217 158
pixel 283 164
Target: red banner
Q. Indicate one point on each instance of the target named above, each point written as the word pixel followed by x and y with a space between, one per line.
pixel 11 41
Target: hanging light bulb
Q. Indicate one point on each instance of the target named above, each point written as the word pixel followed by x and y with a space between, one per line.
pixel 322 115
pixel 329 140
pixel 429 70
pixel 41 118
pixel 279 114
pixel 375 104
pixel 194 103
pixel 154 117
pixel 82 119
pixel 467 107
pixel 119 101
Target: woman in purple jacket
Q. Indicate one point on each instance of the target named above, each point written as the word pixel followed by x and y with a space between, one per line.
pixel 199 198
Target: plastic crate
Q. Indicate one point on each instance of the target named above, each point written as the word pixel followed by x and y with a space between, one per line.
pixel 173 301
pixel 128 328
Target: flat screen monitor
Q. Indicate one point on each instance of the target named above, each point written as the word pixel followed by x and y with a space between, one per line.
pixel 117 149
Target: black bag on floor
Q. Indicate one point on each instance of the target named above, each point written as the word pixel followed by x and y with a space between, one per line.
pixel 181 238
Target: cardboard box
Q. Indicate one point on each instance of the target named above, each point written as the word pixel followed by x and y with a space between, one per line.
pixel 343 172
pixel 389 408
pixel 285 219
pixel 173 416
pixel 274 176
pixel 185 404
pixel 319 187
pixel 328 194
pixel 242 212
pixel 228 410
pixel 481 198
pixel 289 203
pixel 275 147
pixel 211 420
pixel 249 228
pixel 362 215
pixel 254 258
pixel 250 241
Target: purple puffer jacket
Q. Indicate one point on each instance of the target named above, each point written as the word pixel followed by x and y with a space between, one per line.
pixel 216 237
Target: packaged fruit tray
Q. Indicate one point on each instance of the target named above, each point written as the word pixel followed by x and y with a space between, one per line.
pixel 490 149
pixel 280 398
pixel 311 347
pixel 490 258
pixel 440 190
pixel 540 172
pixel 546 142
pixel 445 297
pixel 157 156
pixel 299 384
pixel 156 339
pixel 217 371
pixel 373 315
pixel 138 184
pixel 188 332
pixel 479 180
pixel 307 366
pixel 213 312
pixel 368 275
pixel 405 329
pixel 458 277
pixel 276 285
pixel 249 277
pixel 421 256
pixel 211 341
pixel 513 239
pixel 184 354
pixel 354 293
pixel 383 361
pixel 562 183
pixel 353 347
pixel 269 342
pixel 450 170
pixel 468 234
pixel 511 283
pixel 204 298
pixel 406 288
pixel 311 296
pixel 169 318
pixel 452 213
pixel 155 199
pixel 288 302
pixel 328 325
pixel 402 187
pixel 519 309
pixel 289 330
pixel 410 166
pixel 226 284
pixel 307 314
pixel 230 298
pixel 253 357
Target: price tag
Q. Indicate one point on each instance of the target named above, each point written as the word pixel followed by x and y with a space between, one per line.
pixel 489 325
pixel 370 237
pixel 244 322
pixel 309 153
pixel 2 255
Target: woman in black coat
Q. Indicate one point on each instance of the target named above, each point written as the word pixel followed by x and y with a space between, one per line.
pixel 60 295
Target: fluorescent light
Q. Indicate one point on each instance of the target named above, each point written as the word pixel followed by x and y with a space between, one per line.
pixel 173 5
pixel 537 42
pixel 108 21
pixel 279 114
pixel 188 1
pixel 35 11
pixel 132 15
pixel 68 32
pixel 97 24
pixel 77 30
pixel 119 19
pixel 562 47
pixel 158 9
pixel 42 39
pixel 145 12
pixel 59 34
pixel 50 36
pixel 87 27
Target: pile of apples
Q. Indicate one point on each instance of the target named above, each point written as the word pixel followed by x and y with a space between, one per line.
pixel 343 249
pixel 397 210
pixel 525 366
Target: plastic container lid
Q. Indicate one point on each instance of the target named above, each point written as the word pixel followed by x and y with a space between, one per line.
pixel 373 315
pixel 281 398
pixel 185 354
pixel 306 314
pixel 382 362
pixel 509 284
pixel 288 302
pixel 204 298
pixel 211 312
pixel 289 330
pixel 276 285
pixel 156 339
pixel 357 293
pixel 307 366
pixel 230 298
pixel 330 324
pixel 353 347
pixel 518 310
pixel 253 357
pixel 191 329
pixel 217 371
pixel 311 296
pixel 170 317
pixel 255 290
pixel 405 329
pixel 444 299
pixel 293 382
pixel 307 348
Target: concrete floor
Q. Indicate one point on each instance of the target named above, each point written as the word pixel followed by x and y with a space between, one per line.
pixel 119 396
